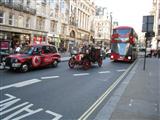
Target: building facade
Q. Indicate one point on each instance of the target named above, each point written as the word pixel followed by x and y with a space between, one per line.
pixel 104 25
pixel 64 23
pixel 81 26
pixel 156 12
pixel 18 22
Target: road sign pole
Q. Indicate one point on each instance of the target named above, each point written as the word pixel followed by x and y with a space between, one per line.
pixel 147 27
pixel 144 66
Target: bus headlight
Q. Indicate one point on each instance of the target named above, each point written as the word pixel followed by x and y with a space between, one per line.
pixel 111 56
pixel 129 57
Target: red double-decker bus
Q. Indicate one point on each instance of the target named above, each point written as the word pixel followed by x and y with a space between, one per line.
pixel 123 44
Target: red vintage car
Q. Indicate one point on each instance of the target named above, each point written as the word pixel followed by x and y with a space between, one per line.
pixel 33 56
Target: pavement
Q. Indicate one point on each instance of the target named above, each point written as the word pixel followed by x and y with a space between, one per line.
pixel 138 95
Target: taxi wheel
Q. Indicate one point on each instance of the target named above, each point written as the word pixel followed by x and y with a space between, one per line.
pixel 24 67
pixel 55 63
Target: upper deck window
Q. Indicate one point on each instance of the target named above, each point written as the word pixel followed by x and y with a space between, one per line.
pixel 121 31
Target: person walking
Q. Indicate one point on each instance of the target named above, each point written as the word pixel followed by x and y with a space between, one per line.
pixel 158 52
pixel 18 48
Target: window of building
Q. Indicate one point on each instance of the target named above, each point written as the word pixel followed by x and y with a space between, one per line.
pixel 53 24
pixel 40 23
pixel 15 20
pixel 10 19
pixel 1 17
pixel 28 3
pixel 20 21
pixel 27 22
pixel 9 1
pixel 63 29
pixel 21 1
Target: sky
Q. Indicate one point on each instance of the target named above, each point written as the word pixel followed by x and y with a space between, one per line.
pixel 127 12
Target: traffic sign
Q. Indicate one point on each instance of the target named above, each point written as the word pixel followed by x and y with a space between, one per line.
pixel 148 22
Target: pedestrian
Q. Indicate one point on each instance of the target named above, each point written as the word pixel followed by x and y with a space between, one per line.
pixel 18 48
pixel 158 52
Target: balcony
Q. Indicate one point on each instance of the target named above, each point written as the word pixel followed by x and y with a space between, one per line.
pixel 73 23
pixel 41 14
pixel 18 7
pixel 29 10
pixel 8 4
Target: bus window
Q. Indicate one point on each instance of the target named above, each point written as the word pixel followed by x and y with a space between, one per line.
pixel 121 31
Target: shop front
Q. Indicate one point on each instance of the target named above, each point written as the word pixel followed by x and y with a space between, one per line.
pixel 21 36
pixel 14 39
pixel 53 39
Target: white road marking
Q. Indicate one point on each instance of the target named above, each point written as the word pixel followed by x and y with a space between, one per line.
pixel 85 115
pixel 49 77
pixel 10 97
pixel 57 116
pixel 81 74
pixel 13 108
pixel 103 72
pixel 21 84
pixel 26 112
pixel 121 70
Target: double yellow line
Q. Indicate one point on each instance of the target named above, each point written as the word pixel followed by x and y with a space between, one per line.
pixel 104 95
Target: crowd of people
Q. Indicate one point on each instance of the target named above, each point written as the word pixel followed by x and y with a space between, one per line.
pixel 18 46
pixel 155 53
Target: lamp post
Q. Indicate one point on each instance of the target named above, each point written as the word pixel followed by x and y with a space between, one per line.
pixel 110 28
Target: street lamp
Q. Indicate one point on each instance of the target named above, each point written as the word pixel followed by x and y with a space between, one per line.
pixel 110 28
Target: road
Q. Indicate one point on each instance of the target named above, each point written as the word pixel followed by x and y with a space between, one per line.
pixel 55 93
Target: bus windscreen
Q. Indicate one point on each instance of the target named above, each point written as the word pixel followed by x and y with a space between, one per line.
pixel 120 48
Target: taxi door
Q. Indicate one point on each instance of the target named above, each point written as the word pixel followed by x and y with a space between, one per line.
pixel 37 57
pixel 47 55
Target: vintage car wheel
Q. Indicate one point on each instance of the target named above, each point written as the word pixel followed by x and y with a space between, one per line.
pixel 86 64
pixel 71 63
pixel 55 63
pixel 24 67
pixel 100 62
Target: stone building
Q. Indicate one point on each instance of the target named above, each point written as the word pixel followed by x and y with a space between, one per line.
pixel 19 22
pixel 156 12
pixel 64 23
pixel 81 18
pixel 103 24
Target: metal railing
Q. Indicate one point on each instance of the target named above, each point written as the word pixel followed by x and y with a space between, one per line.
pixel 18 7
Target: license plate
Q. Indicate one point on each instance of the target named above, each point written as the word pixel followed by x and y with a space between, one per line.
pixel 7 67
pixel 121 58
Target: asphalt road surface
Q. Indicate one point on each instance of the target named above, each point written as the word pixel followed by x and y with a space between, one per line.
pixel 55 93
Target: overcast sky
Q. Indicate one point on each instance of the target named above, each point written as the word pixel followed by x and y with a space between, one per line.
pixel 127 12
